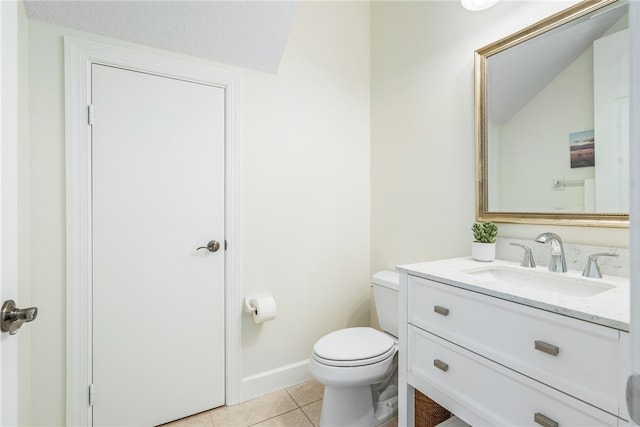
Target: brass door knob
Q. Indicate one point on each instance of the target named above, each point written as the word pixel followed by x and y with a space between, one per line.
pixel 212 246
pixel 12 317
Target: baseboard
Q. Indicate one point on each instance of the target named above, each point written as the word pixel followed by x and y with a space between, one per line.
pixel 275 379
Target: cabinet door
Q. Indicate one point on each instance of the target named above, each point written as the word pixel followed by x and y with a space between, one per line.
pixel 490 393
pixel 577 357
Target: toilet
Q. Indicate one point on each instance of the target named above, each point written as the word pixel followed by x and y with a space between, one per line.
pixel 359 366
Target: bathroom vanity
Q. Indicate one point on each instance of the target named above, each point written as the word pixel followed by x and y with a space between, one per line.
pixel 502 345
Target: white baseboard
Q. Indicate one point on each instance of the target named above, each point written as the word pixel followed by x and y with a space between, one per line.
pixel 275 379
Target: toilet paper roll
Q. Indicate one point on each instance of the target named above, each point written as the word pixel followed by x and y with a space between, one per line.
pixel 264 309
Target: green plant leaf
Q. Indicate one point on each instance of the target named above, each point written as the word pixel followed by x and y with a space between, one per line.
pixel 484 232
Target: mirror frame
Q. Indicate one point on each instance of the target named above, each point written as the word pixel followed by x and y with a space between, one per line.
pixel 482 213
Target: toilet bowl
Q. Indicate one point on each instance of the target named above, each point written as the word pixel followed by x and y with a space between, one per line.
pixel 358 366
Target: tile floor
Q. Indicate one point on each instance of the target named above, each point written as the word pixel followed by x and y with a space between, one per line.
pixel 297 406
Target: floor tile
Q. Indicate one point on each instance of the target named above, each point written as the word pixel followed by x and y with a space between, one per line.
pixel 198 420
pixel 307 392
pixel 312 411
pixel 393 422
pixel 253 411
pixel 294 418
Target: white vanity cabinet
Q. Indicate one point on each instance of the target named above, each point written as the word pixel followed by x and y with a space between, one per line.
pixel 495 362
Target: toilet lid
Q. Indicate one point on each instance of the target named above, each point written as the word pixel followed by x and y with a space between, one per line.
pixel 353 347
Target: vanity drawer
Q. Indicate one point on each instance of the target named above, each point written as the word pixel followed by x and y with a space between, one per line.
pixel 492 394
pixel 577 357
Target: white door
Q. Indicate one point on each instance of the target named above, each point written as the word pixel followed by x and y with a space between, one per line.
pixel 158 194
pixel 611 121
pixel 8 206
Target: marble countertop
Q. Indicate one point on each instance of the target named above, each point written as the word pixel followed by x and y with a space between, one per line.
pixel 608 308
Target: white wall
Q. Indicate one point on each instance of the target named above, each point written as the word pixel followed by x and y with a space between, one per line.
pixel 47 225
pixel 305 202
pixel 535 142
pixel 423 128
pixel 306 197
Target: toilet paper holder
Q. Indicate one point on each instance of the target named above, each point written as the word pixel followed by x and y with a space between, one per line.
pixel 250 302
pixel 261 307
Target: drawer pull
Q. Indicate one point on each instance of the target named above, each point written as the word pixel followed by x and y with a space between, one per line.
pixel 440 365
pixel 441 310
pixel 544 421
pixel 547 348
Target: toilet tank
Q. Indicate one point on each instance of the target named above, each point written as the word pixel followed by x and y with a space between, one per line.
pixel 386 285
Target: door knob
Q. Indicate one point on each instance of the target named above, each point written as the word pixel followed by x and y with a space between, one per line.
pixel 12 318
pixel 212 246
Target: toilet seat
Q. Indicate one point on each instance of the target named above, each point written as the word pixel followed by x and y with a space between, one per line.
pixel 353 347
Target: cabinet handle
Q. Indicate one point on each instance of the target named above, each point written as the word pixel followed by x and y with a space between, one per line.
pixel 547 348
pixel 544 420
pixel 441 310
pixel 440 365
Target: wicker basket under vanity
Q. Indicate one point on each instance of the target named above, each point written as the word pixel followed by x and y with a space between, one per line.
pixel 427 412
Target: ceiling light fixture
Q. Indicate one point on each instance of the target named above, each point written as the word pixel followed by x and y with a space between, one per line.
pixel 478 4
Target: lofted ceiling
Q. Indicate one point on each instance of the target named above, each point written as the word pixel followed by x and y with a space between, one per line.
pixel 251 34
pixel 517 74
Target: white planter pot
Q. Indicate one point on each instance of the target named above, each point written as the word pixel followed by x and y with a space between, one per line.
pixel 483 251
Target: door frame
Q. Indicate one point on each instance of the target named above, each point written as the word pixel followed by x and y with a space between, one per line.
pixel 634 213
pixel 79 56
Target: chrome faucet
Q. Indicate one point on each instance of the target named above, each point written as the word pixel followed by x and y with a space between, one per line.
pixel 592 269
pixel 527 258
pixel 557 262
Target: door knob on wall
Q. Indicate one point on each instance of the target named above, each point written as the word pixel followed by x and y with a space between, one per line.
pixel 212 246
pixel 12 318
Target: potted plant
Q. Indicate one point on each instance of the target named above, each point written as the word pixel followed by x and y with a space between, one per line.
pixel 483 248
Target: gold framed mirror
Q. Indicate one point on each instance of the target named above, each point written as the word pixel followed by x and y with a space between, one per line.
pixel 552 120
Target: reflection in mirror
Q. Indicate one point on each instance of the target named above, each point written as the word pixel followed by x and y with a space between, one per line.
pixel 553 120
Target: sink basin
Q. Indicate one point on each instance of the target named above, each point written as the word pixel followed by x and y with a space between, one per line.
pixel 557 283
